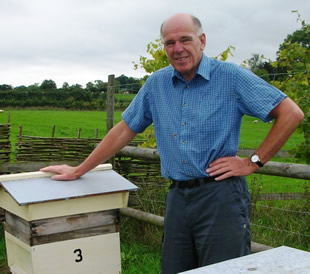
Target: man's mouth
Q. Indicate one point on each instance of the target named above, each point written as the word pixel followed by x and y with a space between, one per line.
pixel 180 59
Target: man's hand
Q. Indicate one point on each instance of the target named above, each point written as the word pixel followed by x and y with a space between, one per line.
pixel 63 172
pixel 231 166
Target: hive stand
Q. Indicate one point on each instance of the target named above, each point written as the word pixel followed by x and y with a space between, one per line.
pixel 63 226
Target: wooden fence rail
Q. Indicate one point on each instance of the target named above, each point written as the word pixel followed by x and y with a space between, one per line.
pixel 297 171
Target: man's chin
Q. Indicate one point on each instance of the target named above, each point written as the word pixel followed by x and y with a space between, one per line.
pixel 182 68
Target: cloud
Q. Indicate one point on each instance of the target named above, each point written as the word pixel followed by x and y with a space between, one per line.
pixel 78 41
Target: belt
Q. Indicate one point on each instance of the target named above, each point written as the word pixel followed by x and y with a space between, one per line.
pixel 192 183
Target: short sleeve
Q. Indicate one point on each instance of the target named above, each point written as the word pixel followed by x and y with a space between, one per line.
pixel 138 115
pixel 256 97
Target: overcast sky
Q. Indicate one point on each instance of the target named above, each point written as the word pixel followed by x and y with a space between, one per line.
pixel 80 41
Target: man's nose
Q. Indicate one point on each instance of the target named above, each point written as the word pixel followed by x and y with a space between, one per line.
pixel 178 47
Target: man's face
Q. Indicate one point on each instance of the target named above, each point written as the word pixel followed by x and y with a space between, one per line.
pixel 183 46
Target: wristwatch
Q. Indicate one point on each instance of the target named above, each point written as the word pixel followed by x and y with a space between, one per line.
pixel 256 160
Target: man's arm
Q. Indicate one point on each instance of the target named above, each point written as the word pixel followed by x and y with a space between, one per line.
pixel 119 136
pixel 287 117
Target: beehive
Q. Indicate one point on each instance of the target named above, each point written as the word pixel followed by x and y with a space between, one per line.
pixel 64 226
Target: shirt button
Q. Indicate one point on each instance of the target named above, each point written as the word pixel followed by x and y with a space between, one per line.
pixel 185 105
pixel 187 86
pixel 183 142
pixel 184 123
pixel 184 162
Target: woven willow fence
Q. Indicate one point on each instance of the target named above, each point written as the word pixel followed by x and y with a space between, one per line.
pixel 46 149
pixel 145 173
pixel 5 144
pixel 5 148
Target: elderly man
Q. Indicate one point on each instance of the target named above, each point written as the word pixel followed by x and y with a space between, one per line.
pixel 196 106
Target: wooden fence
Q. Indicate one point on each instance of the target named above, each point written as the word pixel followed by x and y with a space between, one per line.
pixel 5 144
pixel 298 171
pixel 45 149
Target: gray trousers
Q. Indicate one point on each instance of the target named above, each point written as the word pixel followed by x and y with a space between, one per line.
pixel 206 224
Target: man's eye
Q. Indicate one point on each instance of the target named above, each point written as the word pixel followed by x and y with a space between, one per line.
pixel 170 43
pixel 184 40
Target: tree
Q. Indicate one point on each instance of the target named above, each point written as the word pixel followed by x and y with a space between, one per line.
pixel 259 65
pixel 48 84
pixel 35 86
pixel 65 86
pixel 128 84
pixel 225 54
pixel 294 58
pixel 101 86
pixel 300 36
pixel 159 57
pixel 76 87
pixel 90 86
pixel 5 87
pixel 256 61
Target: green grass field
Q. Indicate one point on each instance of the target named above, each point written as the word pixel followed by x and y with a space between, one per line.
pixel 40 123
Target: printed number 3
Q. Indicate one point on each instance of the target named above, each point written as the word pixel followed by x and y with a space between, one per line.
pixel 79 254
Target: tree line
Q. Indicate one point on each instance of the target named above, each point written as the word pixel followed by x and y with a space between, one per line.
pixel 46 94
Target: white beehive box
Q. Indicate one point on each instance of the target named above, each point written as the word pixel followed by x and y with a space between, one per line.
pixel 64 226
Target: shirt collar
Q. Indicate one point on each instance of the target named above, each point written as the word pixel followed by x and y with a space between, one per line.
pixel 203 70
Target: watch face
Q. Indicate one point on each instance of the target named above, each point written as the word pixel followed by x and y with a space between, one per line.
pixel 254 158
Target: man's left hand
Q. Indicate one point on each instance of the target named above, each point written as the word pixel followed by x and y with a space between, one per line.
pixel 226 167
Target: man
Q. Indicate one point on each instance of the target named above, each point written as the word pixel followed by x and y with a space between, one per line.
pixel 196 105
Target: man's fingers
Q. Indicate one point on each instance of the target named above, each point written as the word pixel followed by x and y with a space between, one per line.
pixel 61 177
pixel 223 176
pixel 219 160
pixel 63 172
pixel 54 169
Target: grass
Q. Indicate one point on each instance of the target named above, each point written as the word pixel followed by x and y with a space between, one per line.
pixel 253 131
pixel 139 258
pixel 40 123
pixel 124 97
pixel 3 262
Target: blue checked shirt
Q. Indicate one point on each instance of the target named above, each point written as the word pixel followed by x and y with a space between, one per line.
pixel 199 121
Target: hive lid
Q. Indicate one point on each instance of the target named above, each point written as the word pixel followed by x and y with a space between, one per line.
pixel 44 189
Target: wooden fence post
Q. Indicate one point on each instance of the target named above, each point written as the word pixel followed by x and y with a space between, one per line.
pixel 110 102
pixel 110 106
pixel 53 131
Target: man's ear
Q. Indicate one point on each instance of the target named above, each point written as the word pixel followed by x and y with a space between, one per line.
pixel 203 40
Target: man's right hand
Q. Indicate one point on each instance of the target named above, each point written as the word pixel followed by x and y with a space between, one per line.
pixel 63 172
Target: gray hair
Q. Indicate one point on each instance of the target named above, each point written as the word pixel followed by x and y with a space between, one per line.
pixel 196 23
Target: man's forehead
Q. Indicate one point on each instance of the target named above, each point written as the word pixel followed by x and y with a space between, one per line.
pixel 178 36
pixel 178 32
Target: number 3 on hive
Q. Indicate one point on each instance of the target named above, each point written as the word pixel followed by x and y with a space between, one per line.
pixel 79 255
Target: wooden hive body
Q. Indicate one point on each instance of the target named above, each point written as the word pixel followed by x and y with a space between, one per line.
pixel 63 227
